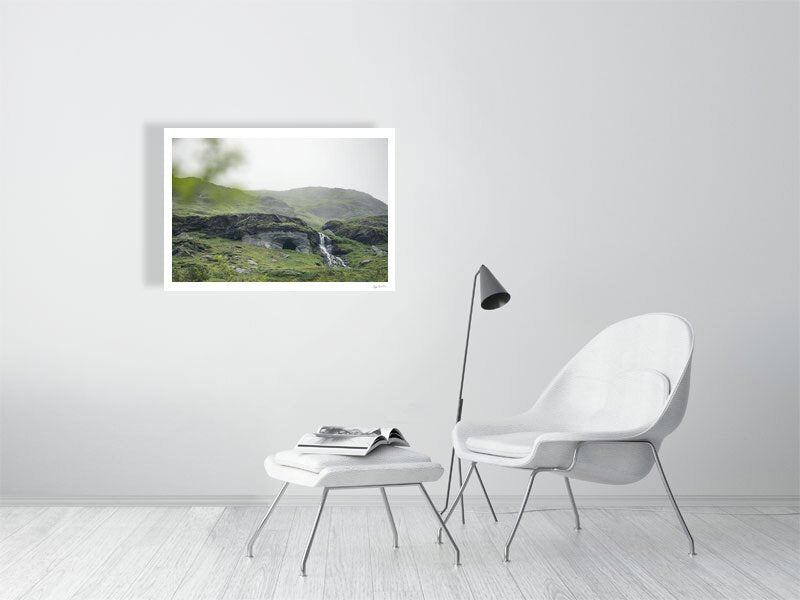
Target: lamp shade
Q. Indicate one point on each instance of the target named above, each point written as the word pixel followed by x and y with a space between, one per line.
pixel 493 294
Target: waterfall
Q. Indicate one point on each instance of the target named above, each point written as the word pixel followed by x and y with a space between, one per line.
pixel 325 250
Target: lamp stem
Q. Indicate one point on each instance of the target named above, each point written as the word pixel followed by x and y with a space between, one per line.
pixel 466 347
pixel 460 392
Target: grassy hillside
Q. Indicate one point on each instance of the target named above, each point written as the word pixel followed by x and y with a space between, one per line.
pixel 315 205
pixel 193 196
pixel 227 234
pixel 211 258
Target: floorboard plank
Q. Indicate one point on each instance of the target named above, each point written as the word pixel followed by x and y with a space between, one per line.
pixel 94 553
pixel 439 579
pixel 78 565
pixel 115 576
pixel 783 534
pixel 752 552
pixel 41 559
pixel 487 575
pixel 781 511
pixel 394 572
pixel 13 518
pixel 537 576
pixel 611 554
pixel 255 578
pixel 787 520
pixel 659 550
pixel 609 575
pixel 710 574
pixel 208 576
pixel 34 532
pixel 349 560
pixel 290 584
pixel 161 577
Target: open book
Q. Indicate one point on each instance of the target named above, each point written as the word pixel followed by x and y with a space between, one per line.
pixel 349 441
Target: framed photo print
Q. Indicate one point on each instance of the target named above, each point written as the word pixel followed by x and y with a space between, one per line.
pixel 278 209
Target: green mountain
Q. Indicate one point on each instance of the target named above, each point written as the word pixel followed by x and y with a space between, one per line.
pixel 226 234
pixel 315 205
pixel 194 196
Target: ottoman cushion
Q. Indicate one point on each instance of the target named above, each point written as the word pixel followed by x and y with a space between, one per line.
pixel 380 456
pixel 383 466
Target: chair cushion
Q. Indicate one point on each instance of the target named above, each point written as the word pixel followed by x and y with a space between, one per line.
pixel 509 445
pixel 383 455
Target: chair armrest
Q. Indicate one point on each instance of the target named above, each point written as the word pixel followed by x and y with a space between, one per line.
pixel 559 451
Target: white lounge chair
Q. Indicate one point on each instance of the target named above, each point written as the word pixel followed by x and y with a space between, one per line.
pixel 601 419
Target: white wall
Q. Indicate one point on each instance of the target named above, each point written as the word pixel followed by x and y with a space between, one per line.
pixel 604 160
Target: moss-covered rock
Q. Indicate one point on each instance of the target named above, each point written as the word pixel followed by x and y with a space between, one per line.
pixel 270 231
pixel 367 230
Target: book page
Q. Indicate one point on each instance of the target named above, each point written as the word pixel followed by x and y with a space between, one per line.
pixel 328 430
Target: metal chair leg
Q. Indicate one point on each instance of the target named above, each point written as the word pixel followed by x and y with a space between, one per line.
pixel 485 495
pixel 313 532
pixel 257 532
pixel 672 500
pixel 461 482
pixel 519 516
pixel 442 523
pixel 455 502
pixel 574 507
pixel 449 481
pixel 391 518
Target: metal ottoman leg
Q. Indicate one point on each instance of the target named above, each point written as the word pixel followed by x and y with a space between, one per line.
pixel 391 518
pixel 313 531
pixel 257 532
pixel 442 524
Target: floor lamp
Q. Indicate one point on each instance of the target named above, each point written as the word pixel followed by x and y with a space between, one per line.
pixel 493 295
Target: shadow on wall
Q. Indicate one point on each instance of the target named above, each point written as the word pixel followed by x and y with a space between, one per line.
pixel 154 187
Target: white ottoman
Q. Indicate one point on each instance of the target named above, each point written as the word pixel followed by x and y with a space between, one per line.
pixel 384 467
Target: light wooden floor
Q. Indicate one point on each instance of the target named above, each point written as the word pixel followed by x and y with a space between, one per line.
pixel 81 553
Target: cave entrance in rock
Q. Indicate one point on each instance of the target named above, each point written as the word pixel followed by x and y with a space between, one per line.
pixel 289 245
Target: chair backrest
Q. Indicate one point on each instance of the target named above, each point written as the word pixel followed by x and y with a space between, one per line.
pixel 632 375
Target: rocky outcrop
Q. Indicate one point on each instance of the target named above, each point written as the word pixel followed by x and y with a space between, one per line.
pixel 280 240
pixel 268 230
pixel 185 245
pixel 367 230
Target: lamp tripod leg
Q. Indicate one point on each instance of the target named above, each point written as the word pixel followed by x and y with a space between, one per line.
pixel 455 502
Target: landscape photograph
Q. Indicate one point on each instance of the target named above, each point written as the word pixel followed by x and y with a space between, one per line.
pixel 278 209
